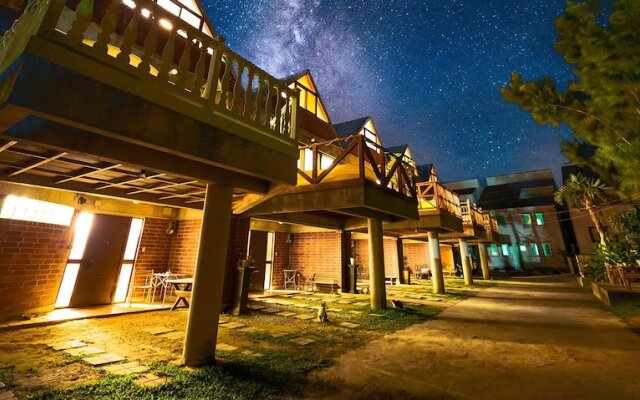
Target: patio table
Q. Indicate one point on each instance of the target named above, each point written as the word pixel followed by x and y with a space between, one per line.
pixel 182 288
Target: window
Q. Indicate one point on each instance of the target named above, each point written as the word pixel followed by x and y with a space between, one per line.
pixel 494 251
pixel 526 218
pixel 533 250
pixel 326 161
pixel 25 209
pixel 309 99
pixel 501 219
pixel 505 249
pixel 546 249
pixel 539 219
pixel 523 248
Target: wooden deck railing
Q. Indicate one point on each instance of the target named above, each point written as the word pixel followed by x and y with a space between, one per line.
pixel 371 161
pixel 490 223
pixel 144 40
pixel 432 196
pixel 471 214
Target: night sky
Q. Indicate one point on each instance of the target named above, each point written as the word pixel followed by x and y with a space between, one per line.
pixel 428 72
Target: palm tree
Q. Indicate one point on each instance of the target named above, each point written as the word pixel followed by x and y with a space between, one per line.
pixel 581 191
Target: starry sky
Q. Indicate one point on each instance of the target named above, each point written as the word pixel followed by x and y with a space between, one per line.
pixel 427 71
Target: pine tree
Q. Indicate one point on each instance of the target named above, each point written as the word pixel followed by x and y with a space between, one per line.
pixel 602 105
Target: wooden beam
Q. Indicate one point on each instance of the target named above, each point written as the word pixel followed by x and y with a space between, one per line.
pixel 126 181
pixel 7 145
pixel 161 187
pixel 37 164
pixel 88 172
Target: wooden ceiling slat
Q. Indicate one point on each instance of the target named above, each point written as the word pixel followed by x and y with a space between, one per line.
pixel 161 187
pixel 90 172
pixel 37 164
pixel 7 145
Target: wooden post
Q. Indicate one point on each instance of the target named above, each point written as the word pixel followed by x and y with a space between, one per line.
pixel 436 263
pixel 484 265
pixel 345 255
pixel 401 266
pixel 206 297
pixel 466 263
pixel 376 264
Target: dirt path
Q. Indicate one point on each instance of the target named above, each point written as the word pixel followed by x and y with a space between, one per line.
pixel 538 338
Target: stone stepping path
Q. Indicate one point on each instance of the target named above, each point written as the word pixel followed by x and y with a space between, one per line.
pixel 277 335
pixel 7 396
pixel 151 380
pixel 256 307
pixel 222 321
pixel 286 314
pixel 272 310
pixel 251 329
pixel 354 312
pixel 344 302
pixel 305 317
pixel 172 335
pixel 348 325
pixel 362 304
pixel 70 344
pixel 225 347
pixel 104 359
pixel 302 341
pixel 250 353
pixel 159 330
pixel 301 305
pixel 233 325
pixel 336 310
pixel 84 351
pixel 128 368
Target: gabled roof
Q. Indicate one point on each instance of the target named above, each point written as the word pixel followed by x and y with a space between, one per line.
pixel 295 76
pixel 349 128
pixel 400 149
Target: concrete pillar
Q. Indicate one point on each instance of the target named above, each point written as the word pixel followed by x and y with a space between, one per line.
pixel 376 264
pixel 208 278
pixel 435 261
pixel 345 256
pixel 466 262
pixel 400 250
pixel 484 262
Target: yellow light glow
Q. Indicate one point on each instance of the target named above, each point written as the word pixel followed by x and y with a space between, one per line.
pixel 68 285
pixel 25 209
pixel 133 239
pixel 82 229
pixel 165 24
pixel 129 3
pixel 182 33
pixel 145 13
pixel 123 283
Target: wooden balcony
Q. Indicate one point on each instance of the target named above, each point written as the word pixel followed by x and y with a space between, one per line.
pixel 346 180
pixel 133 73
pixel 491 228
pixel 472 223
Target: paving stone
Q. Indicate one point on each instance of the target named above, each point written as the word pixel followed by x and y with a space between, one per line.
pixel 251 329
pixel 344 301
pixel 286 314
pixel 302 341
pixel 172 335
pixel 348 325
pixel 305 317
pixel 103 359
pixel 376 315
pixel 362 304
pixel 225 347
pixel 2 385
pixel 222 321
pixel 277 335
pixel 7 396
pixel 151 380
pixel 300 305
pixel 234 325
pixel 69 344
pixel 158 330
pixel 128 368
pixel 272 310
pixel 256 307
pixel 86 351
pixel 354 312
pixel 336 310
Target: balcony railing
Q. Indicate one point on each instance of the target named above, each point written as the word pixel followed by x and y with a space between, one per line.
pixel 163 51
pixel 471 214
pixel 490 223
pixel 356 157
pixel 432 196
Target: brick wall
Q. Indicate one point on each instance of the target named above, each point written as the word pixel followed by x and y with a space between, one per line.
pixel 153 251
pixel 316 253
pixel 280 260
pixel 32 261
pixel 390 258
pixel 417 254
pixel 184 246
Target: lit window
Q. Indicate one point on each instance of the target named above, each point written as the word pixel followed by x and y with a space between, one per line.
pixel 123 283
pixel 170 6
pixel 133 239
pixel 546 249
pixel 523 248
pixel 308 99
pixel 68 285
pixel 494 251
pixel 505 249
pixel 526 218
pixel 501 219
pixel 533 250
pixel 24 209
pixel 539 219
pixel 326 161
pixel 82 229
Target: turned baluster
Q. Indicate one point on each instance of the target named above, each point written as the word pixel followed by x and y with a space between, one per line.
pixel 285 128
pixel 226 79
pixel 278 109
pixel 130 34
pixel 213 75
pixel 149 48
pixel 267 111
pixel 238 91
pixel 84 13
pixel 108 26
pixel 199 71
pixel 183 65
pixel 167 57
pixel 259 99
pixel 249 106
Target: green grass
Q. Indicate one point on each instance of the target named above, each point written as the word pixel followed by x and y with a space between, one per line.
pixel 626 310
pixel 281 372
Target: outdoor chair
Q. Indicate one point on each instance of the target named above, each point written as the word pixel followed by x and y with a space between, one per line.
pixel 146 287
pixel 423 272
pixel 310 284
pixel 627 274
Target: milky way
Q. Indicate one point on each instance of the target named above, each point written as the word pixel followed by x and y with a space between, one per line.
pixel 428 72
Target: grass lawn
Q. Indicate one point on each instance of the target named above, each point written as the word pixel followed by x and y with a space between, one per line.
pixel 280 369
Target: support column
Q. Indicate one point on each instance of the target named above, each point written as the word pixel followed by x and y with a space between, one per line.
pixel 436 263
pixel 345 256
pixel 208 278
pixel 484 264
pixel 466 263
pixel 400 250
pixel 376 264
